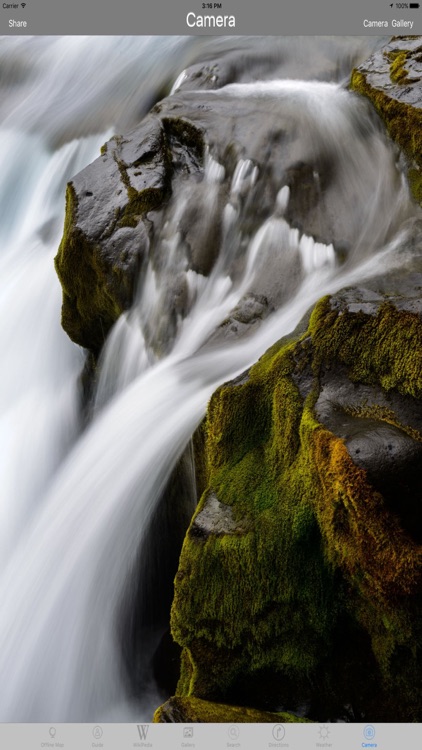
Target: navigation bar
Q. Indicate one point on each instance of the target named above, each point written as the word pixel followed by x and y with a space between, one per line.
pixel 225 17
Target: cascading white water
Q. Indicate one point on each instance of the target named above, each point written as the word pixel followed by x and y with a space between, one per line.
pixel 38 399
pixel 74 507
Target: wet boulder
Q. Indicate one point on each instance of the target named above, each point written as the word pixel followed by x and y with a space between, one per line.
pixel 392 80
pixel 201 178
pixel 300 578
pixel 106 239
pixel 194 710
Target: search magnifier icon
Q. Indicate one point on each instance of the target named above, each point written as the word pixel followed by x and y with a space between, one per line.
pixel 233 732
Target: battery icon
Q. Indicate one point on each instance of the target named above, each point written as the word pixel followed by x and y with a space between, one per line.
pixel 414 5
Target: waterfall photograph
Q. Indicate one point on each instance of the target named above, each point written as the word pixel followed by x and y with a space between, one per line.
pixel 211 391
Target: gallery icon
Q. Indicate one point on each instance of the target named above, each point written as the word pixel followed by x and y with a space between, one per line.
pixel 97 732
pixel 278 732
pixel 188 732
pixel 369 732
pixel 233 732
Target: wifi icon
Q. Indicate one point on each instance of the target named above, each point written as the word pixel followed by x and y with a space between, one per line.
pixel 23 5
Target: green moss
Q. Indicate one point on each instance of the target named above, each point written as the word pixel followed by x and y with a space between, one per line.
pixel 200 459
pixel 187 133
pixel 255 615
pixel 194 710
pixel 383 349
pixel 186 673
pixel 398 72
pixel 139 204
pixel 97 287
pixel 403 121
pixel 415 181
pixel 321 555
pixel 361 537
pixel 89 309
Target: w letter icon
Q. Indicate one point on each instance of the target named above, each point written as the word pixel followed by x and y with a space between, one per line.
pixel 143 730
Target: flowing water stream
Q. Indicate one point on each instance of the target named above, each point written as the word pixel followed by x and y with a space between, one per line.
pixel 76 500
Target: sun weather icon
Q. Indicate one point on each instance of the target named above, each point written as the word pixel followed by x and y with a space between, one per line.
pixel 324 732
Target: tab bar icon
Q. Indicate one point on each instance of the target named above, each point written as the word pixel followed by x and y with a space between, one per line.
pixel 143 730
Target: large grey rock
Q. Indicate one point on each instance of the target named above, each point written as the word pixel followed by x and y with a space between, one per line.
pixel 155 197
pixel 392 79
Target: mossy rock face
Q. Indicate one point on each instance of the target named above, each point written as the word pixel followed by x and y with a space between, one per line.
pixel 106 235
pixel 392 80
pixel 300 579
pixel 194 710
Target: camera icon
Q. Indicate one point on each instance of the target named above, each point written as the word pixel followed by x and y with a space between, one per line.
pixel 369 732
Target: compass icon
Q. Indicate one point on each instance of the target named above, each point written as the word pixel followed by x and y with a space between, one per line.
pixel 324 732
